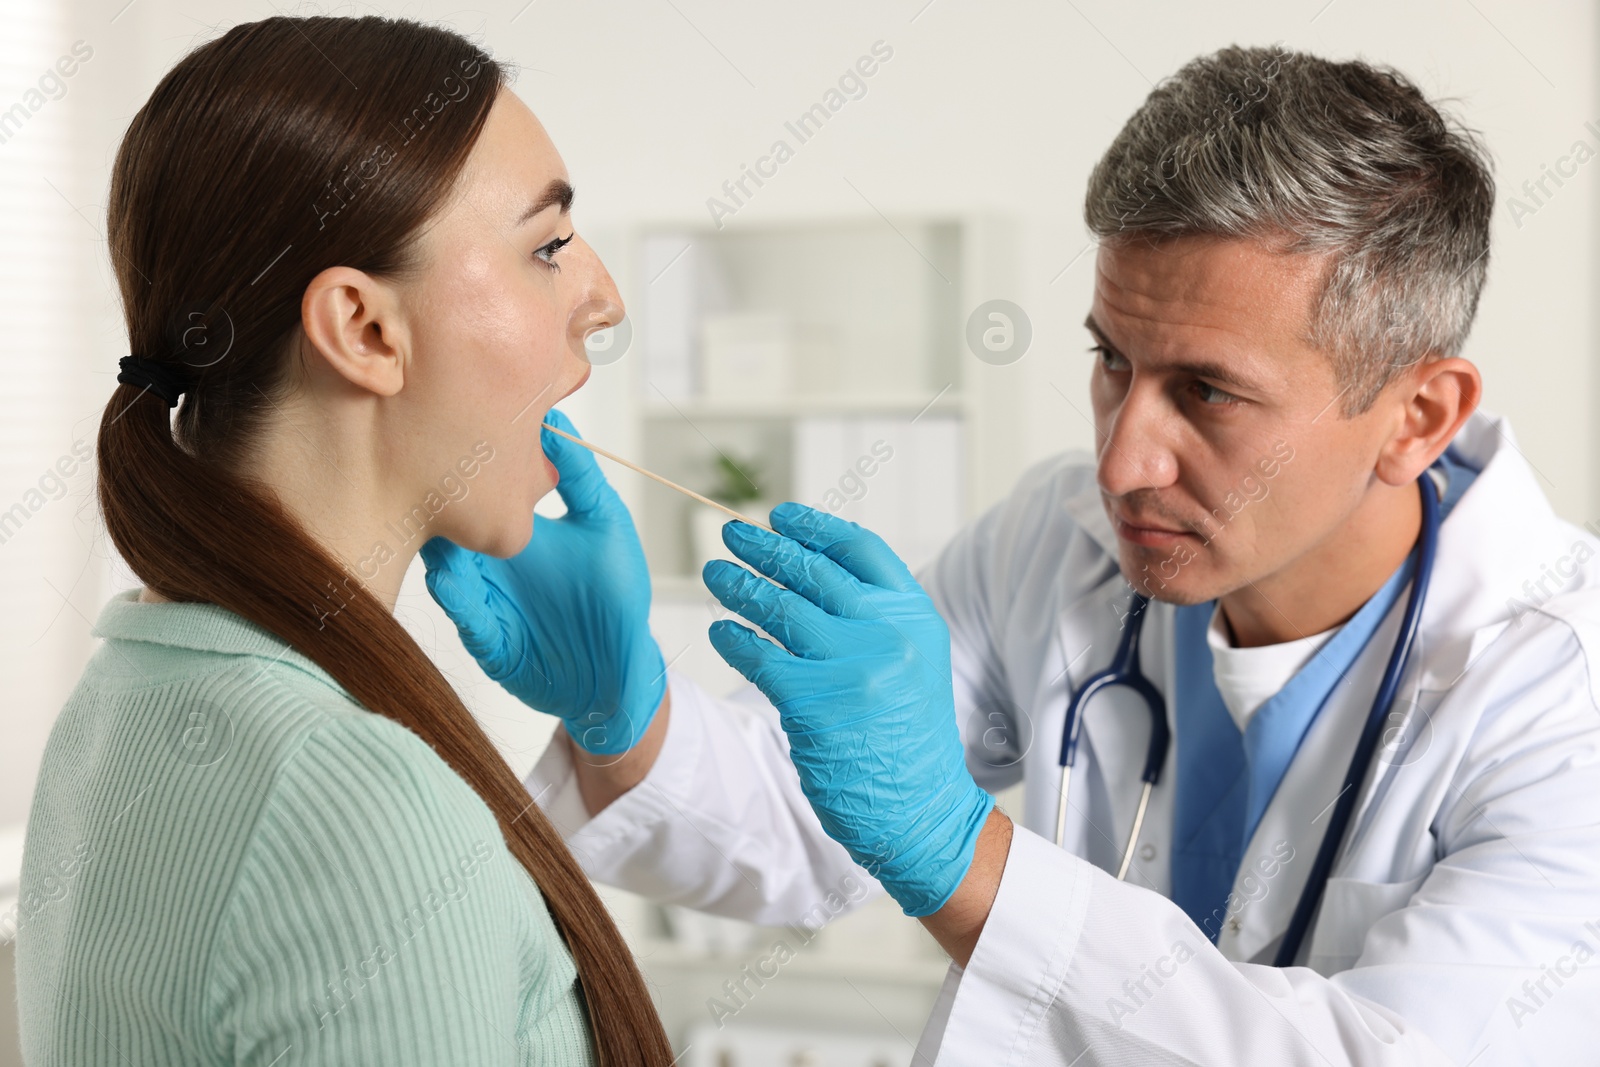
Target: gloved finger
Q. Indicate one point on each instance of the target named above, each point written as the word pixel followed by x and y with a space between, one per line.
pixel 583 486
pixel 802 627
pixel 809 573
pixel 855 548
pixel 760 661
pixel 455 581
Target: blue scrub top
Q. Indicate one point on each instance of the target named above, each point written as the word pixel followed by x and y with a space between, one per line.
pixel 1225 778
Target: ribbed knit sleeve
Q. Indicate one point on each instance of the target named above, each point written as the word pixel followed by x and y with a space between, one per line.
pixel 369 922
pixel 230 862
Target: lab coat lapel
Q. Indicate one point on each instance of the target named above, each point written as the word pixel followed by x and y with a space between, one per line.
pixel 1492 542
pixel 1501 534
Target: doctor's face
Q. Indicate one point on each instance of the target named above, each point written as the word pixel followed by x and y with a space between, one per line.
pixel 1224 457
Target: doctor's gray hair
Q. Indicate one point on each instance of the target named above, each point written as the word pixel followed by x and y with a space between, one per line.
pixel 1311 156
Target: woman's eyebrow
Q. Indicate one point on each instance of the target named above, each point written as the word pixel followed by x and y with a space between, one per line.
pixel 559 191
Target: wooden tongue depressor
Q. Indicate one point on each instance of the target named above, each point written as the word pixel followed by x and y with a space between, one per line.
pixel 664 481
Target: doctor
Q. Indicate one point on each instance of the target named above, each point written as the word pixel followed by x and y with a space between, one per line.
pixel 1291 255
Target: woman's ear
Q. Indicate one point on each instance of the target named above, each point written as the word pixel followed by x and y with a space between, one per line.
pixel 355 322
pixel 1444 394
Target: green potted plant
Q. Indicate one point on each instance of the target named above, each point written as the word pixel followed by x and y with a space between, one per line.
pixel 738 485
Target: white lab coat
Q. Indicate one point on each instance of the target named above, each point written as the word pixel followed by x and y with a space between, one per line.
pixel 1472 865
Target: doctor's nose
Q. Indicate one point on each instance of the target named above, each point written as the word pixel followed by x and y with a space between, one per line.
pixel 1133 450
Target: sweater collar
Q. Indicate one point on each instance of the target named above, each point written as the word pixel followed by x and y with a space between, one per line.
pixel 200 626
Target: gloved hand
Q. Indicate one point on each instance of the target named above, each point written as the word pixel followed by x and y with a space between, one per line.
pixel 863 692
pixel 563 624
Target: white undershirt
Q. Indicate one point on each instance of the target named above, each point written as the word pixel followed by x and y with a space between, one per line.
pixel 1248 677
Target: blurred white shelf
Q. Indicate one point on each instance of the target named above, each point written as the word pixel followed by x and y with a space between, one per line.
pixel 825 361
pixel 10 870
pixel 948 401
pixel 665 954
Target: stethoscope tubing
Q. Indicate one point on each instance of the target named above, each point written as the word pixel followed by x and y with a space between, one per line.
pixel 1124 670
pixel 1367 745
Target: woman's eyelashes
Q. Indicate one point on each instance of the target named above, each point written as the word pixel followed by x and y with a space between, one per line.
pixel 546 253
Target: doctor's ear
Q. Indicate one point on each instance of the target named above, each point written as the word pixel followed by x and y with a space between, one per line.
pixel 1435 399
pixel 355 322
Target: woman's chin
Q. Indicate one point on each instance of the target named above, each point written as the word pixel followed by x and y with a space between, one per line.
pixel 516 538
pixel 501 541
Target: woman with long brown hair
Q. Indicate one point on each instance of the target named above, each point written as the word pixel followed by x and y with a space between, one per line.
pixel 266 829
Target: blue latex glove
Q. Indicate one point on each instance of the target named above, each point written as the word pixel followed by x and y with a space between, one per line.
pixel 864 693
pixel 564 624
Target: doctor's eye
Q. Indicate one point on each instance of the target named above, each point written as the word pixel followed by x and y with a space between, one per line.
pixel 1212 396
pixel 546 253
pixel 1110 361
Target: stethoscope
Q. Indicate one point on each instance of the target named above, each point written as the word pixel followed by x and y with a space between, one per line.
pixel 1125 670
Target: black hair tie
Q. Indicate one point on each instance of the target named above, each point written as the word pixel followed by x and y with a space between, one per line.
pixel 163 379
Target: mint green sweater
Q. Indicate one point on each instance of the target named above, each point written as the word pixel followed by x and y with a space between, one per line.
pixel 230 861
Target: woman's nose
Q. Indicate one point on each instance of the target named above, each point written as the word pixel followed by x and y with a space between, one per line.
pixel 600 305
pixel 592 316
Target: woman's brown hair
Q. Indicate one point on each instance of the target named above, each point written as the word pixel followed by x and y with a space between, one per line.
pixel 280 149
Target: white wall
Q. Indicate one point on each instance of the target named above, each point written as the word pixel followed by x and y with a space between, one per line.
pixel 1005 107
pixel 983 108
pixel 61 335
